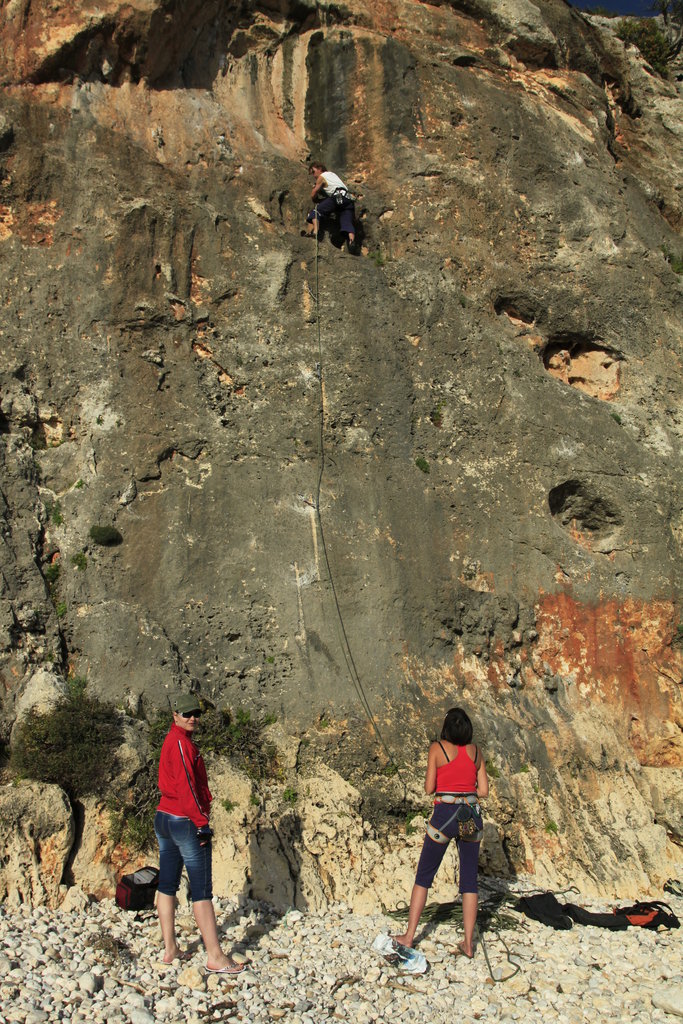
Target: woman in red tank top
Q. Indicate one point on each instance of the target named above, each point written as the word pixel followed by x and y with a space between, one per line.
pixel 455 770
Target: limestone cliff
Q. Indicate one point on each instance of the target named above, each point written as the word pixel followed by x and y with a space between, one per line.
pixel 484 403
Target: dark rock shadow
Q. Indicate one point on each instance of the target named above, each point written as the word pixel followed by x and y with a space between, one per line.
pixel 329 229
pixel 275 872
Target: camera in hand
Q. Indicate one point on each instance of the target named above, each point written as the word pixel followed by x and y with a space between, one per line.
pixel 204 835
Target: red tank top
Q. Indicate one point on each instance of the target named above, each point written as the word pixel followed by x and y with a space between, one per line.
pixel 458 775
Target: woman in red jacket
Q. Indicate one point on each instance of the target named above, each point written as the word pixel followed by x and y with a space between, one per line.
pixel 182 827
pixel 456 774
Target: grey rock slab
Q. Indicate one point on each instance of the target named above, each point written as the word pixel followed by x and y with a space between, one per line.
pixel 670 1000
pixel 139 1016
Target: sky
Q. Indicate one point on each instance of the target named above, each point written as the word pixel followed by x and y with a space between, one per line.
pixel 637 8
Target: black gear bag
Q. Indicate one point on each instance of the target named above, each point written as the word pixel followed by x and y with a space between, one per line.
pixel 136 891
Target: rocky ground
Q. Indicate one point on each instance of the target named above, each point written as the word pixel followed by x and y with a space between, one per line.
pixel 97 963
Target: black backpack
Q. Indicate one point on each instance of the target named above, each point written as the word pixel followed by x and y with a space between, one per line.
pixel 136 891
pixel 546 908
pixel 650 914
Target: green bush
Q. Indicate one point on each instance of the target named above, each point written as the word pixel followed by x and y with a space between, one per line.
pixel 290 795
pixel 422 464
pixel 237 736
pixel 76 686
pixel 436 415
pixel 51 573
pixel 80 561
pixel 411 829
pixel 673 259
pixel 653 45
pixel 56 514
pixel 106 536
pixel 132 819
pixel 73 746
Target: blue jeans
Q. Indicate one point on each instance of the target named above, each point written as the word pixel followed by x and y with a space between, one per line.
pixel 178 845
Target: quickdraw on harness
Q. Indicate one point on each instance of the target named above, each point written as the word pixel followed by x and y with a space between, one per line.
pixel 340 195
pixel 467 807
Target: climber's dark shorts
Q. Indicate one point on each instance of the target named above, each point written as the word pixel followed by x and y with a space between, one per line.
pixel 432 853
pixel 346 211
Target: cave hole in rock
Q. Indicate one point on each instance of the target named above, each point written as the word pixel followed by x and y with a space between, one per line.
pixel 516 308
pixel 578 507
pixel 584 363
pixel 464 60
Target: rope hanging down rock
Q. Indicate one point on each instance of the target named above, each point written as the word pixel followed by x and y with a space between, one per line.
pixel 345 644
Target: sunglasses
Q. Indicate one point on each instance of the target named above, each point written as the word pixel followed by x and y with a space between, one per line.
pixel 190 714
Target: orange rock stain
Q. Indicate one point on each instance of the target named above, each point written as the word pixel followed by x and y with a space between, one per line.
pixel 621 656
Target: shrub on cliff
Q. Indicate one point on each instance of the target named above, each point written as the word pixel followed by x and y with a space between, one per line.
pixel 73 746
pixel 105 536
pixel 653 45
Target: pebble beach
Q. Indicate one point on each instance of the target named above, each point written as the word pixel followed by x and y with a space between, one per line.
pixel 100 963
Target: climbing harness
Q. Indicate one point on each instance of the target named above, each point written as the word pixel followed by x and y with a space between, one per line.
pixel 340 195
pixel 467 829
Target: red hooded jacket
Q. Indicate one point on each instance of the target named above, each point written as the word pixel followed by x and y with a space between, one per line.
pixel 182 779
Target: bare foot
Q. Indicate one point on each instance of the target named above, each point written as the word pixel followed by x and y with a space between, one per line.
pixel 403 940
pixel 462 949
pixel 175 954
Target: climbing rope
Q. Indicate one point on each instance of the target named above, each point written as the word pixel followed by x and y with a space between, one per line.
pixel 345 644
pixel 496 974
pixel 491 917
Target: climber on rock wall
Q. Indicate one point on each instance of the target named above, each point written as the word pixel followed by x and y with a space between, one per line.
pixel 330 195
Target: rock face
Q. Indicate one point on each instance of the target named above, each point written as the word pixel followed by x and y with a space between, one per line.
pixel 36 835
pixel 446 470
pixel 42 694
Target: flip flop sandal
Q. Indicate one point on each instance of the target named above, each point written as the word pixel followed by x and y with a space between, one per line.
pixel 231 968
